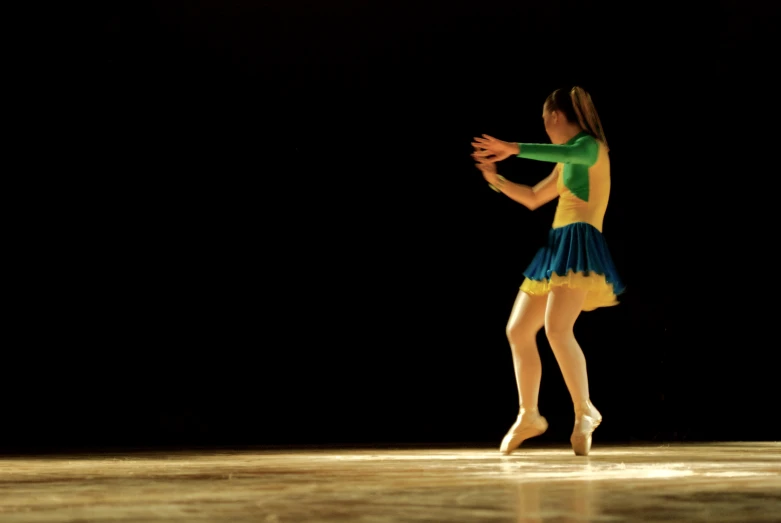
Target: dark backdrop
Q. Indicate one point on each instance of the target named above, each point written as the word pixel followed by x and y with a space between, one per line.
pixel 277 235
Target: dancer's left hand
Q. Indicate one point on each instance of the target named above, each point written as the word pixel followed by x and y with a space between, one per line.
pixel 489 172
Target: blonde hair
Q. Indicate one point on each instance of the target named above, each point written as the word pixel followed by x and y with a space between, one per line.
pixel 577 107
pixel 587 114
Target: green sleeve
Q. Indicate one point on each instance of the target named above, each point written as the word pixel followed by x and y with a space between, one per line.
pixel 581 150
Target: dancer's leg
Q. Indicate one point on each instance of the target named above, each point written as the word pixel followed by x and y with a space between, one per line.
pixel 564 307
pixel 526 320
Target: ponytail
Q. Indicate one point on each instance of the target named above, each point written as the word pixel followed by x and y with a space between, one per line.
pixel 587 114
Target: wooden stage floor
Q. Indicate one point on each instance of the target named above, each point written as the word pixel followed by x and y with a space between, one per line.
pixel 736 482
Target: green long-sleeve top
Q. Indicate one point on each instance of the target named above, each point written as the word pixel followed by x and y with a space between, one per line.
pixel 584 177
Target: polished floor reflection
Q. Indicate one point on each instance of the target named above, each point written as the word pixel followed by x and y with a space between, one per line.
pixel 738 482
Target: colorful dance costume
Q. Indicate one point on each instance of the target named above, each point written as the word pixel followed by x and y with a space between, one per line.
pixel 576 254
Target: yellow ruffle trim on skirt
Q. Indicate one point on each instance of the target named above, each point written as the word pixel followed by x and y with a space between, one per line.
pixel 600 292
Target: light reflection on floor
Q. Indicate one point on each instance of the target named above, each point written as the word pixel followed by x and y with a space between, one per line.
pixel 708 482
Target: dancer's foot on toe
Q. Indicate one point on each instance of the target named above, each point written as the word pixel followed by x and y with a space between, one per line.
pixel 587 419
pixel 529 424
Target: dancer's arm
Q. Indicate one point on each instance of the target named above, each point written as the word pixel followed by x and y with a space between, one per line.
pixel 584 150
pixel 530 197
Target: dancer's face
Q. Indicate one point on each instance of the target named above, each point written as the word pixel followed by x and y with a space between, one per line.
pixel 552 121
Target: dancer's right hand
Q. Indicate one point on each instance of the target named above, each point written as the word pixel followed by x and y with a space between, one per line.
pixel 492 149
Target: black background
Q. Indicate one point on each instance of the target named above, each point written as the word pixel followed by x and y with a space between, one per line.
pixel 277 235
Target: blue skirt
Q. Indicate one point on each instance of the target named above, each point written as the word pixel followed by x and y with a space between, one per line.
pixel 576 256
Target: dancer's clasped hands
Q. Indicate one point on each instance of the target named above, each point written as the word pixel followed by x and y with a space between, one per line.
pixel 488 151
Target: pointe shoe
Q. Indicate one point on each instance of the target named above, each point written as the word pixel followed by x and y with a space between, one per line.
pixel 585 425
pixel 528 425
